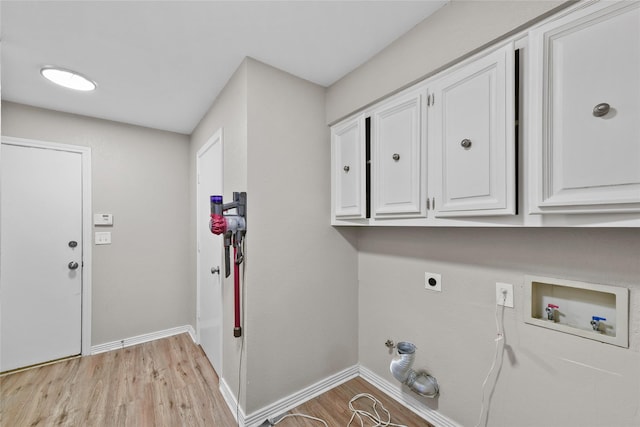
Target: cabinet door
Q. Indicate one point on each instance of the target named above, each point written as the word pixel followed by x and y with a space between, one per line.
pixel 473 138
pixel 348 173
pixel 397 158
pixel 585 120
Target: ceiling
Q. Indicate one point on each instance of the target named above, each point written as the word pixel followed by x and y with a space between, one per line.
pixel 161 64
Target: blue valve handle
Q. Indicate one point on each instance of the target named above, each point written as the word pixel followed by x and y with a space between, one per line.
pixel 596 318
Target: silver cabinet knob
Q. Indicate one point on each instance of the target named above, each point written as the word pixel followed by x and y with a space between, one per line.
pixel 215 270
pixel 73 265
pixel 601 109
pixel 396 157
pixel 346 168
pixel 465 143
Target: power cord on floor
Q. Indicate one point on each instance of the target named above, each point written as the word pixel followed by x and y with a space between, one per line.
pixel 358 414
pixel 499 338
pixel 302 416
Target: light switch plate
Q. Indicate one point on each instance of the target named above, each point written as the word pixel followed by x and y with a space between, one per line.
pixel 103 238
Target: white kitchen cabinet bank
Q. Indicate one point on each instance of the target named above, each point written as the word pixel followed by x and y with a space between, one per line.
pixel 397 166
pixel 348 172
pixel 542 129
pixel 585 111
pixel 472 138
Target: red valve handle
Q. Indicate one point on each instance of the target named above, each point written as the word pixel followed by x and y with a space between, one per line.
pixel 552 306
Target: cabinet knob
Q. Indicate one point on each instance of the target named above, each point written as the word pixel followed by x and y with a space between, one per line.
pixel 601 109
pixel 465 143
pixel 346 168
pixel 396 157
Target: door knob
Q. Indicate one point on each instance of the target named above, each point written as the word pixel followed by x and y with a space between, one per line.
pixel 465 143
pixel 73 265
pixel 215 270
pixel 601 109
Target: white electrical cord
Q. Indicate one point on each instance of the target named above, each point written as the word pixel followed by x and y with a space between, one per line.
pixel 303 416
pixel 499 337
pixel 359 413
pixel 372 417
pixel 242 338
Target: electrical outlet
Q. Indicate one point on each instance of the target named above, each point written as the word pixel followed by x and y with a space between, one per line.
pixel 504 290
pixel 433 282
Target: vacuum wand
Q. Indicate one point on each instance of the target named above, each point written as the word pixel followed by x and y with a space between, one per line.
pixel 233 228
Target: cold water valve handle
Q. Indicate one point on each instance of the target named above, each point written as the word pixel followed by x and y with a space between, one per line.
pixel 551 309
pixel 595 322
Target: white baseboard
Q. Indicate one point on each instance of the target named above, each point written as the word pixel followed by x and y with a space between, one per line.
pixel 287 403
pixel 394 391
pixel 232 402
pixel 128 342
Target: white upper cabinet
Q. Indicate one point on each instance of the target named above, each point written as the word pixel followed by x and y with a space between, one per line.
pixel 397 158
pixel 585 111
pixel 348 168
pixel 472 138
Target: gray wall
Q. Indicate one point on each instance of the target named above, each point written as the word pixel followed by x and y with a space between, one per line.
pixel 544 377
pixel 139 282
pixel 300 283
pixel 229 113
pixel 301 275
pixel 455 30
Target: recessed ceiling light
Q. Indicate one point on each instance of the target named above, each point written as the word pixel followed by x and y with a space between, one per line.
pixel 68 79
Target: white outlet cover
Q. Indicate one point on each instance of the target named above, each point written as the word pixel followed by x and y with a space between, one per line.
pixel 433 282
pixel 500 297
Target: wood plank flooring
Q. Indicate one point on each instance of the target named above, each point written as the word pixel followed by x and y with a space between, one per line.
pixel 168 382
pixel 333 407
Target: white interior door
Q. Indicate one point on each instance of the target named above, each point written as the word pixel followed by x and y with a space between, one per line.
pixel 209 175
pixel 40 267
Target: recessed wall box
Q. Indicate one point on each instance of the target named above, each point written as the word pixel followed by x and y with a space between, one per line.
pixel 576 304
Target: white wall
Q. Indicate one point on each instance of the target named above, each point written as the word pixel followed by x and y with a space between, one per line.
pixel 139 282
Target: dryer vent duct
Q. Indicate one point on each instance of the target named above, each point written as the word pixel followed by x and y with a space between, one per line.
pixel 418 382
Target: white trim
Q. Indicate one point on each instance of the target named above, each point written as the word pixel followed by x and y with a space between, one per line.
pixel 288 403
pixel 87 240
pixel 139 339
pixel 413 404
pixel 216 137
pixel 232 402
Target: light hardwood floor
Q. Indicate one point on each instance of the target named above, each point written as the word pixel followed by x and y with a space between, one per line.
pixel 168 382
